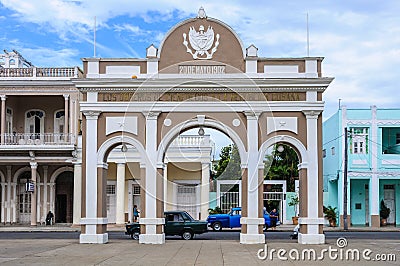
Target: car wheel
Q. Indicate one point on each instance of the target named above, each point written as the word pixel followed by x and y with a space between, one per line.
pixel 217 226
pixel 135 235
pixel 187 235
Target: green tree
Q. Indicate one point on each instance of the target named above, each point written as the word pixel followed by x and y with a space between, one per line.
pixel 228 166
pixel 282 165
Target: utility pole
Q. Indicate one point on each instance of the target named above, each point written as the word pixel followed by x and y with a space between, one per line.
pixel 345 226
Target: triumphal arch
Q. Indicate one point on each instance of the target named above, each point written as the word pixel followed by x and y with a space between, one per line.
pixel 201 76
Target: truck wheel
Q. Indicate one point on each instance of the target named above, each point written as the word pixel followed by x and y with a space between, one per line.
pixel 135 235
pixel 217 226
pixel 187 235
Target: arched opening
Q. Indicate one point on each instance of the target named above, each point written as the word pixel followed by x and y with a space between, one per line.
pixel 23 198
pixel 194 172
pixel 64 197
pixel 125 160
pixel 281 182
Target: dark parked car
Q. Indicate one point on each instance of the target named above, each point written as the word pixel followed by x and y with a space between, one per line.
pixel 176 223
pixel 232 220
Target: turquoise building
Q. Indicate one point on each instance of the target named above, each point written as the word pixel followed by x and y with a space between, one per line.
pixel 373 164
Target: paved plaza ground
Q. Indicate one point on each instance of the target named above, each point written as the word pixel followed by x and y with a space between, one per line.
pixel 180 252
pixel 124 251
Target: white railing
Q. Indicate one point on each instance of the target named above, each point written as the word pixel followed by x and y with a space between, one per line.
pixel 273 195
pixel 38 72
pixel 184 141
pixel 38 139
pixel 229 200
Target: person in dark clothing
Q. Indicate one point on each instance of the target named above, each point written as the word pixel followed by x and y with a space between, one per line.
pixel 49 218
pixel 274 218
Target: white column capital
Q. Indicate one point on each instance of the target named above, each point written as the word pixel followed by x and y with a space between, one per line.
pixel 151 115
pixel 66 96
pixel 91 114
pixel 3 97
pixel 253 114
pixel 311 114
pixel 33 165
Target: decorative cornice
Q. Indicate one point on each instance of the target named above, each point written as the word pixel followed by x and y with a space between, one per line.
pixel 33 165
pixel 388 122
pixel 253 114
pixel 200 89
pixel 91 114
pixel 311 114
pixel 151 114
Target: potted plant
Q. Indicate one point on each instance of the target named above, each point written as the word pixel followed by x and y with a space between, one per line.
pixel 330 213
pixel 294 201
pixel 384 213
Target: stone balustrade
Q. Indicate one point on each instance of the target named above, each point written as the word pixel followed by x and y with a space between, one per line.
pixel 38 72
pixel 38 139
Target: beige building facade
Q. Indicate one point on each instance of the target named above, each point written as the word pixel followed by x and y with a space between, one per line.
pixel 39 136
pixel 203 77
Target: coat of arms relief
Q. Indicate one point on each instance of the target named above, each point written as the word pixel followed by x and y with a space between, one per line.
pixel 201 42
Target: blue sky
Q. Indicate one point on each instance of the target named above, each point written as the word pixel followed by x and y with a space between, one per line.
pixel 360 39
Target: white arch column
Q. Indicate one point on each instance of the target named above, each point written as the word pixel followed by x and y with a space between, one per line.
pixel 33 195
pixel 120 208
pixel 153 221
pixel 92 225
pixel 66 117
pixel 77 192
pixel 8 205
pixel 3 117
pixel 250 215
pixel 205 190
pixel 311 223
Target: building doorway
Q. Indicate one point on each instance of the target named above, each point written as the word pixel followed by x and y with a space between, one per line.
pixel 64 197
pixel 24 198
pixel 389 199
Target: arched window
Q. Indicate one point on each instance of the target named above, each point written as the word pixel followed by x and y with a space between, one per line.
pixel 59 118
pixel 9 120
pixel 34 122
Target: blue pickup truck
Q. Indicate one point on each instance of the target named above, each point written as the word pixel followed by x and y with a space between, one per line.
pixel 231 220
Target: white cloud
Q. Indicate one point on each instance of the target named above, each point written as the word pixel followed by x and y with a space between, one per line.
pixel 360 43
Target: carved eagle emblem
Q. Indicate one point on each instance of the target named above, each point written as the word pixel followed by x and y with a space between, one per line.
pixel 201 41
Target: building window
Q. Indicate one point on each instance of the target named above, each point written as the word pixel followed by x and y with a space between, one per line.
pixel 333 150
pixel 136 190
pixel 34 122
pixel 397 138
pixel 9 120
pixel 110 189
pixel 59 117
pixel 359 140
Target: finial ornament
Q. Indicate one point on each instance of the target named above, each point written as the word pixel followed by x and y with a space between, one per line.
pixel 201 13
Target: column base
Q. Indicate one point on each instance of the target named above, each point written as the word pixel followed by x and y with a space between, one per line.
pixel 93 238
pixel 152 239
pixel 375 221
pixel 313 239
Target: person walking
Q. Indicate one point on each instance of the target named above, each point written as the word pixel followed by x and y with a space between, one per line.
pixel 135 213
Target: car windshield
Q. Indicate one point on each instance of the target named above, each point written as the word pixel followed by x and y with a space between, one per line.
pixel 186 216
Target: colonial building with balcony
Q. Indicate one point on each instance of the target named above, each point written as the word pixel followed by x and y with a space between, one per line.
pixel 373 174
pixel 38 145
